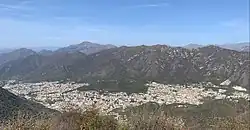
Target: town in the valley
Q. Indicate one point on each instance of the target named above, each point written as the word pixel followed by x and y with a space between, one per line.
pixel 65 96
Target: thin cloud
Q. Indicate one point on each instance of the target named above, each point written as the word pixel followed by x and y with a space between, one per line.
pixel 150 5
pixel 12 7
pixel 22 5
pixel 25 2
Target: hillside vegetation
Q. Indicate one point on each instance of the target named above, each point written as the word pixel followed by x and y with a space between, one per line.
pixel 160 63
pixel 12 105
pixel 217 115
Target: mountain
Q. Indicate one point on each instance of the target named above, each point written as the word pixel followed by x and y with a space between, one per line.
pixel 193 46
pixel 222 64
pixel 166 64
pixel 39 67
pixel 14 55
pixel 159 63
pixel 41 48
pixel 45 52
pixel 245 48
pixel 234 46
pixel 5 51
pixel 11 105
pixel 237 46
pixel 86 47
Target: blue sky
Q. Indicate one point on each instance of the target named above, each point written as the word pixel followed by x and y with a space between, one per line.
pixel 33 23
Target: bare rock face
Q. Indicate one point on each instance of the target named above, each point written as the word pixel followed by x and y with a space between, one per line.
pixel 226 83
pixel 242 74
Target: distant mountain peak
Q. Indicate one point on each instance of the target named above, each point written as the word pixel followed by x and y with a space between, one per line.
pixel 45 52
pixel 87 43
pixel 212 46
pixel 86 47
pixel 23 50
pixel 192 46
pixel 244 46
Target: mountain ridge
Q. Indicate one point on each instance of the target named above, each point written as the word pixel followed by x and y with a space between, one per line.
pixel 244 46
pixel 86 47
pixel 16 54
pixel 158 63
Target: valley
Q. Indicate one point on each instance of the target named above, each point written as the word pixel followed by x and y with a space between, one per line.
pixel 124 65
pixel 186 86
pixel 67 96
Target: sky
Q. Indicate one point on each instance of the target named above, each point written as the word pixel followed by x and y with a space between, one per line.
pixel 56 23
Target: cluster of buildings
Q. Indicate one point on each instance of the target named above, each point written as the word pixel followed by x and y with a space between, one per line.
pixel 66 96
